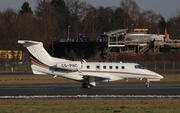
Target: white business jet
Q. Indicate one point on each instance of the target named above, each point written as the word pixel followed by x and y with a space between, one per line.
pixel 89 73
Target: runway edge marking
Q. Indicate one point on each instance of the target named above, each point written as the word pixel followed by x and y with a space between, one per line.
pixel 90 96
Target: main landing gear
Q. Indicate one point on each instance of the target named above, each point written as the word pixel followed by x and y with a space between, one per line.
pixel 87 85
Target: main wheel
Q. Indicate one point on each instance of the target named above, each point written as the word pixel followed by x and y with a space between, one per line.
pixel 89 86
pixel 84 85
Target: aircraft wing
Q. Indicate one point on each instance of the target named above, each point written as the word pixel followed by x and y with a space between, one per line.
pixel 101 77
pixel 97 76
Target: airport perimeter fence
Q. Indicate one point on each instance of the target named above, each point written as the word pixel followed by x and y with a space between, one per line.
pixel 14 66
pixel 161 66
pixel 157 66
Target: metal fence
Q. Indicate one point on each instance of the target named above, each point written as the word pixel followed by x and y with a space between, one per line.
pixel 11 66
pixel 161 66
pixel 157 66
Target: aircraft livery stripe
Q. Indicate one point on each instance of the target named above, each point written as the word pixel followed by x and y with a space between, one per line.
pixel 38 63
pixel 117 73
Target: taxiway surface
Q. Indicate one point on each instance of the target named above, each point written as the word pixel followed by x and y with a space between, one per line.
pixel 101 89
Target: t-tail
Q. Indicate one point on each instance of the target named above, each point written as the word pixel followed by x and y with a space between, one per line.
pixel 39 57
pixel 38 54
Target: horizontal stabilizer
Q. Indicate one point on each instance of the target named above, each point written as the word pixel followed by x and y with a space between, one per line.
pixel 27 43
pixel 38 73
pixel 38 70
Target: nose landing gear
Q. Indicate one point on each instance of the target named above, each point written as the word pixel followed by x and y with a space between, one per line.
pixel 147 84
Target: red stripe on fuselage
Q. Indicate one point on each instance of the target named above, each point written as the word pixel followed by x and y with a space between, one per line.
pixel 111 72
pixel 38 63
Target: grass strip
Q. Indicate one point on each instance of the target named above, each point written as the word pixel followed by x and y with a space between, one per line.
pixel 89 105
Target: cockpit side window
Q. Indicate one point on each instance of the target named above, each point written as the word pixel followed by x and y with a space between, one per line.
pixel 138 67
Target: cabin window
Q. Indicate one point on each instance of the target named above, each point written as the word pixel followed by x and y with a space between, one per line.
pixel 88 67
pixel 104 67
pixel 122 67
pixel 110 67
pixel 97 67
pixel 117 67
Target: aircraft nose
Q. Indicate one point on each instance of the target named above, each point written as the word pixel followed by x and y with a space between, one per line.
pixel 160 76
pixel 156 75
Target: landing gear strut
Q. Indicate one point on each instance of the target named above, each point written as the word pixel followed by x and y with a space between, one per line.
pixel 147 84
pixel 86 85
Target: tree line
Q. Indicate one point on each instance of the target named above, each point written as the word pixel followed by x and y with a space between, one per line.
pixel 53 19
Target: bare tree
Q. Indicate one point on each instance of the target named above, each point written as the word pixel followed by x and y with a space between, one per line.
pixel 132 10
pixel 8 22
pixel 150 20
pixel 174 25
pixel 75 8
pixel 51 16
pixel 118 18
pixel 90 22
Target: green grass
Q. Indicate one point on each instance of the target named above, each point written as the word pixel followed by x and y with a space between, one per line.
pixel 89 106
pixel 32 79
pixel 48 79
pixel 171 78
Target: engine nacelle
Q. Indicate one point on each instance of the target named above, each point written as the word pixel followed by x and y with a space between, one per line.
pixel 71 65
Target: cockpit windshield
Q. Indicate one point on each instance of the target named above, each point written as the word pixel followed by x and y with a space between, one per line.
pixel 139 67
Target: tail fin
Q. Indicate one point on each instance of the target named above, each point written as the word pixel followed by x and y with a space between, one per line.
pixel 38 54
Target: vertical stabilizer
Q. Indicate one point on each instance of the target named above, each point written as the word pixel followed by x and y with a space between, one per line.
pixel 38 54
